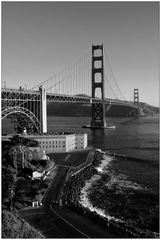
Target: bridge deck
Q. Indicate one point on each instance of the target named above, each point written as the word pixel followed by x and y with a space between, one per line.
pixel 21 95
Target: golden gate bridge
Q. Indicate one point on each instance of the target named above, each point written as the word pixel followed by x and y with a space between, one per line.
pixel 85 81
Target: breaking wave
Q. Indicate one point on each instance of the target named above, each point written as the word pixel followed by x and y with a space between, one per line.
pixel 114 197
pixel 84 197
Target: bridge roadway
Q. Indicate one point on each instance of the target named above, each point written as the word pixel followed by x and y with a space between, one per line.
pixel 8 94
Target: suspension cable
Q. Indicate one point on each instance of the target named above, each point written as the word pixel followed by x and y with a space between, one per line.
pixel 110 86
pixel 131 97
pixel 73 63
pixel 114 76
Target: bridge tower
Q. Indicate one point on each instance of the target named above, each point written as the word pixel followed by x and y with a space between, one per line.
pixel 136 100
pixel 98 109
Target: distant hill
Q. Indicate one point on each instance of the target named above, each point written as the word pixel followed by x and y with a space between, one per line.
pixel 75 109
pixel 148 109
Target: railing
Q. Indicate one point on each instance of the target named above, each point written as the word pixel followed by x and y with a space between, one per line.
pixel 22 90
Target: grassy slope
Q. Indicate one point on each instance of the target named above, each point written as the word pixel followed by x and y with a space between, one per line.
pixel 15 227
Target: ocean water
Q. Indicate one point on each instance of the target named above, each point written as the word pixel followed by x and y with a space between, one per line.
pixel 119 193
pixel 124 190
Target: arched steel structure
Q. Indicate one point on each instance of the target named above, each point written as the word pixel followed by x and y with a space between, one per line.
pixel 23 116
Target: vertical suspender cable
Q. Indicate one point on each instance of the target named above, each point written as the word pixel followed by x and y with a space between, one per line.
pixel 114 76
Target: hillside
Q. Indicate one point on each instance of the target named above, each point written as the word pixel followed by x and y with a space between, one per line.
pixel 74 109
pixel 149 110
pixel 15 227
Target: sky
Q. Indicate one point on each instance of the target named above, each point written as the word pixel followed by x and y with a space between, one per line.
pixel 41 38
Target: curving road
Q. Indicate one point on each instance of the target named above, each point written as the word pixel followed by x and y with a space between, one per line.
pixel 61 222
pixel 87 227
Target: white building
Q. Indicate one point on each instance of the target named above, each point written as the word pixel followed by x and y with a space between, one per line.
pixel 61 142
pixel 37 175
pixel 80 141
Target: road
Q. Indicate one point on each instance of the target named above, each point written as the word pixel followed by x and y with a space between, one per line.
pixel 61 222
pixel 55 189
pixel 83 224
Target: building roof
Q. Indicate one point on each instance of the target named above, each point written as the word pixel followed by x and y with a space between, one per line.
pixel 47 135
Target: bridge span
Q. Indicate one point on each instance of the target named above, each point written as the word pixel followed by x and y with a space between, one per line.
pixel 13 97
pixel 28 108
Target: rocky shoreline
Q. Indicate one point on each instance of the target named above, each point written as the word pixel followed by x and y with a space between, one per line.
pixel 73 200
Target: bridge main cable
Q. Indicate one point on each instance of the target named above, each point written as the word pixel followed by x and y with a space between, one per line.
pixel 110 67
pixel 70 76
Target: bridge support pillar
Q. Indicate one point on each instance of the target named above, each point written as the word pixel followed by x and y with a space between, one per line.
pixel 98 109
pixel 98 115
pixel 43 108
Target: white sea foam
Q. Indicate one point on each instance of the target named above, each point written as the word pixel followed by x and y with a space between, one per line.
pixel 103 167
pixel 120 180
pixel 120 183
pixel 84 197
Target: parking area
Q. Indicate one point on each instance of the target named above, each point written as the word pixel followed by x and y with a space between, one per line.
pixel 73 159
